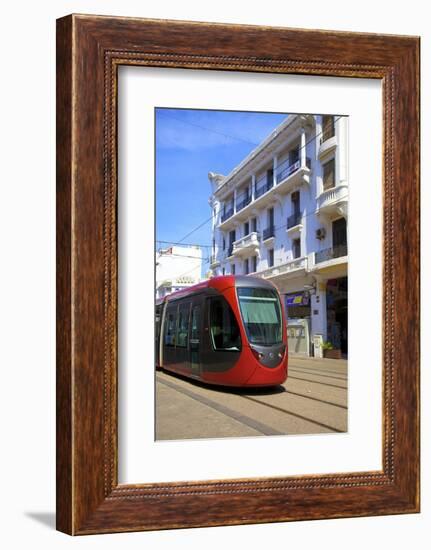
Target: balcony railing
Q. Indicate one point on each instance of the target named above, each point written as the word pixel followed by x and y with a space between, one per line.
pixel 294 219
pixel 262 186
pixel 243 203
pixel 268 232
pixel 247 244
pixel 332 197
pixel 286 168
pixel 292 265
pixel 327 134
pixel 330 253
pixel 226 215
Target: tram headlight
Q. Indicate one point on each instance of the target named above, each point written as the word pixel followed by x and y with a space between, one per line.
pixel 257 354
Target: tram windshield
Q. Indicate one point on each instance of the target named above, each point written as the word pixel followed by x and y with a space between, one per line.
pixel 261 314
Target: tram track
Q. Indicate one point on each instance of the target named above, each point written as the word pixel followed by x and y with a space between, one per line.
pixel 317 399
pixel 291 413
pixel 247 421
pixel 250 422
pixel 317 382
pixel 303 371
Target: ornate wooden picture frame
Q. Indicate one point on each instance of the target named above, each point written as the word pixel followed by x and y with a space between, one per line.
pixel 89 51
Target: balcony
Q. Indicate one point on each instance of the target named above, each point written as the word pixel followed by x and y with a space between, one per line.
pixel 329 254
pixel 214 262
pixel 286 169
pixel 292 268
pixel 246 246
pixel 327 144
pixel 243 203
pixel 288 176
pixel 268 233
pixel 294 221
pixel 262 186
pixel 291 175
pixel 333 201
pixel 227 214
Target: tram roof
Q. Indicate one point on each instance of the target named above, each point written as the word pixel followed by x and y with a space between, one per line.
pixel 219 283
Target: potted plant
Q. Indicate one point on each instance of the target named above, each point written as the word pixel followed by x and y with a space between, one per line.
pixel 329 352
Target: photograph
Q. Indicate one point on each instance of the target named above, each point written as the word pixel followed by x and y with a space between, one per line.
pixel 251 273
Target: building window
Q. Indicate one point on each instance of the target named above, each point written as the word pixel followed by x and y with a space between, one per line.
pixel 271 217
pixel 269 178
pixel 295 217
pixel 254 264
pixel 232 269
pixel 296 248
pixel 246 271
pixel 224 243
pixel 223 271
pixel 294 155
pixel 246 229
pixel 269 231
pixel 328 127
pixel 232 237
pixel 254 225
pixel 295 202
pixel 329 175
pixel 270 257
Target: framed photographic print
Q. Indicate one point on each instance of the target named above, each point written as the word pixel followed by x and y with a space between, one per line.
pixel 237 274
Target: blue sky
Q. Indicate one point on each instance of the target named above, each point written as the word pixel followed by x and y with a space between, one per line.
pixel 189 144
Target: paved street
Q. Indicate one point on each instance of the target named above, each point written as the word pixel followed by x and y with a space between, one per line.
pixel 312 400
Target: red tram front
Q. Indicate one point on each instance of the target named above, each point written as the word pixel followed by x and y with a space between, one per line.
pixel 229 331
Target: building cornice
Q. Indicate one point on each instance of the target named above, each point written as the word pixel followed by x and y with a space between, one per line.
pixel 257 156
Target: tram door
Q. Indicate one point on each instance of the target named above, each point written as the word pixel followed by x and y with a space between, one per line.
pixel 195 337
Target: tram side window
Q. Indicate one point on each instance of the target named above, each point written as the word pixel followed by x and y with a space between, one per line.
pixel 183 325
pixel 158 312
pixel 171 317
pixel 224 328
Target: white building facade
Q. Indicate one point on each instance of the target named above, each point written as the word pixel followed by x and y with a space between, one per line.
pixel 177 267
pixel 282 214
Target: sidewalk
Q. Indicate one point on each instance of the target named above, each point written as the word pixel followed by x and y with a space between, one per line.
pixel 338 364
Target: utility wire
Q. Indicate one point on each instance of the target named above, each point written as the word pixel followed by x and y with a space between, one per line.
pixel 173 243
pixel 208 129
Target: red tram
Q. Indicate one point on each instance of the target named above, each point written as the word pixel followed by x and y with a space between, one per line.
pixel 229 330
